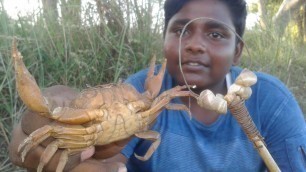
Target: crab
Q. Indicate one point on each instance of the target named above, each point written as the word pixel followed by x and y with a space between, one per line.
pixel 97 116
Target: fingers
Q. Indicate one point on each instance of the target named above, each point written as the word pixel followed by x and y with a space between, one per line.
pixel 31 121
pixel 110 150
pixel 17 137
pixel 57 96
pixel 87 153
pixel 98 166
pixel 33 157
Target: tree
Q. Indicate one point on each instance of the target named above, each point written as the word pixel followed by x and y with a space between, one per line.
pixel 262 11
pixel 50 12
pixel 111 15
pixel 286 11
pixel 71 12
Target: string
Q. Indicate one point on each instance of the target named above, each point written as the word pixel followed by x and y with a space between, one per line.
pixel 180 46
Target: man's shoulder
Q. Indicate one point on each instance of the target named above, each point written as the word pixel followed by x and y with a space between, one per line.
pixel 266 83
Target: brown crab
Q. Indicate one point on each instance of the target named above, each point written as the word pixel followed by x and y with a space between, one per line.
pixel 97 116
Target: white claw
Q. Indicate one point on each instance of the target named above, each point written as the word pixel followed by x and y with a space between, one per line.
pixel 208 100
pixel 220 96
pixel 243 92
pixel 246 93
pixel 57 110
pixel 246 78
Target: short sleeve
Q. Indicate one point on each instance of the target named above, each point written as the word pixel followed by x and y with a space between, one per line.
pixel 296 149
pixel 286 138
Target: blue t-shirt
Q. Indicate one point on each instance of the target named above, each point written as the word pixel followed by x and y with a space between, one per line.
pixel 189 145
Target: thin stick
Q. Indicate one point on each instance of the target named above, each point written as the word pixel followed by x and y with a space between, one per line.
pixel 237 106
pixel 240 112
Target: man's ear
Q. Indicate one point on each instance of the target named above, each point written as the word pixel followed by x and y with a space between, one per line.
pixel 238 52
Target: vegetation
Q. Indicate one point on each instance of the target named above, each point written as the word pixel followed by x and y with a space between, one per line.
pixel 110 44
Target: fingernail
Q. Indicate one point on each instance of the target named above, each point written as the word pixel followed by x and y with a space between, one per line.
pixel 122 168
pixel 87 154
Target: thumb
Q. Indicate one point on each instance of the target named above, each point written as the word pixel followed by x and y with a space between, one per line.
pixel 114 166
pixel 86 154
pixel 121 167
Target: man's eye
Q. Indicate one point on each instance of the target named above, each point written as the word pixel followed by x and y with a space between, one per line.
pixel 180 31
pixel 216 35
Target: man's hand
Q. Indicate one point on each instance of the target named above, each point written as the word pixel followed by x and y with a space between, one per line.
pixel 62 96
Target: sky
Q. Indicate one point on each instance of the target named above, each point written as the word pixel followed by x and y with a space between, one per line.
pixel 20 7
pixel 17 8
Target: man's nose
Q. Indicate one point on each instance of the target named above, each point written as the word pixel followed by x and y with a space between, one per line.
pixel 195 44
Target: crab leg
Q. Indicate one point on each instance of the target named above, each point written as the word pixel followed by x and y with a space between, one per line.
pixel 27 87
pixel 33 140
pixel 164 99
pixel 53 147
pixel 64 158
pixel 172 106
pixel 149 135
pixel 76 116
pixel 60 132
pixel 48 154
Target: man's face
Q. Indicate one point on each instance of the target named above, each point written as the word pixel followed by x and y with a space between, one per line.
pixel 208 47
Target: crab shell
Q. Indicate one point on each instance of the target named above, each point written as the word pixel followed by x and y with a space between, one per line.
pixel 97 116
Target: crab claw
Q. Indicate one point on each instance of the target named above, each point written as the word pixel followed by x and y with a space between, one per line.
pixel 153 82
pixel 27 87
pixel 208 100
pixel 246 78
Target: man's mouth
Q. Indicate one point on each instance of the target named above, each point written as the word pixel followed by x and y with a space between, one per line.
pixel 193 64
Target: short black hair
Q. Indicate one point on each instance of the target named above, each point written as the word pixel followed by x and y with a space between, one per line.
pixel 237 8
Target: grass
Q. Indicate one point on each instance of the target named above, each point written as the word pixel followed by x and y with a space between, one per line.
pixel 79 55
pixel 279 56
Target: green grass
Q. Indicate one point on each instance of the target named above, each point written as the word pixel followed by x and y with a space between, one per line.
pixel 81 55
pixel 279 56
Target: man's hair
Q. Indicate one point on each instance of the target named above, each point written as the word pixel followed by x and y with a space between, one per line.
pixel 237 9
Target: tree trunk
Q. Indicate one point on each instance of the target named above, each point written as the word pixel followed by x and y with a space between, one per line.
pixel 262 11
pixel 71 12
pixel 304 22
pixel 50 12
pixel 111 15
pixel 284 13
pixel 299 20
pixel 101 12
